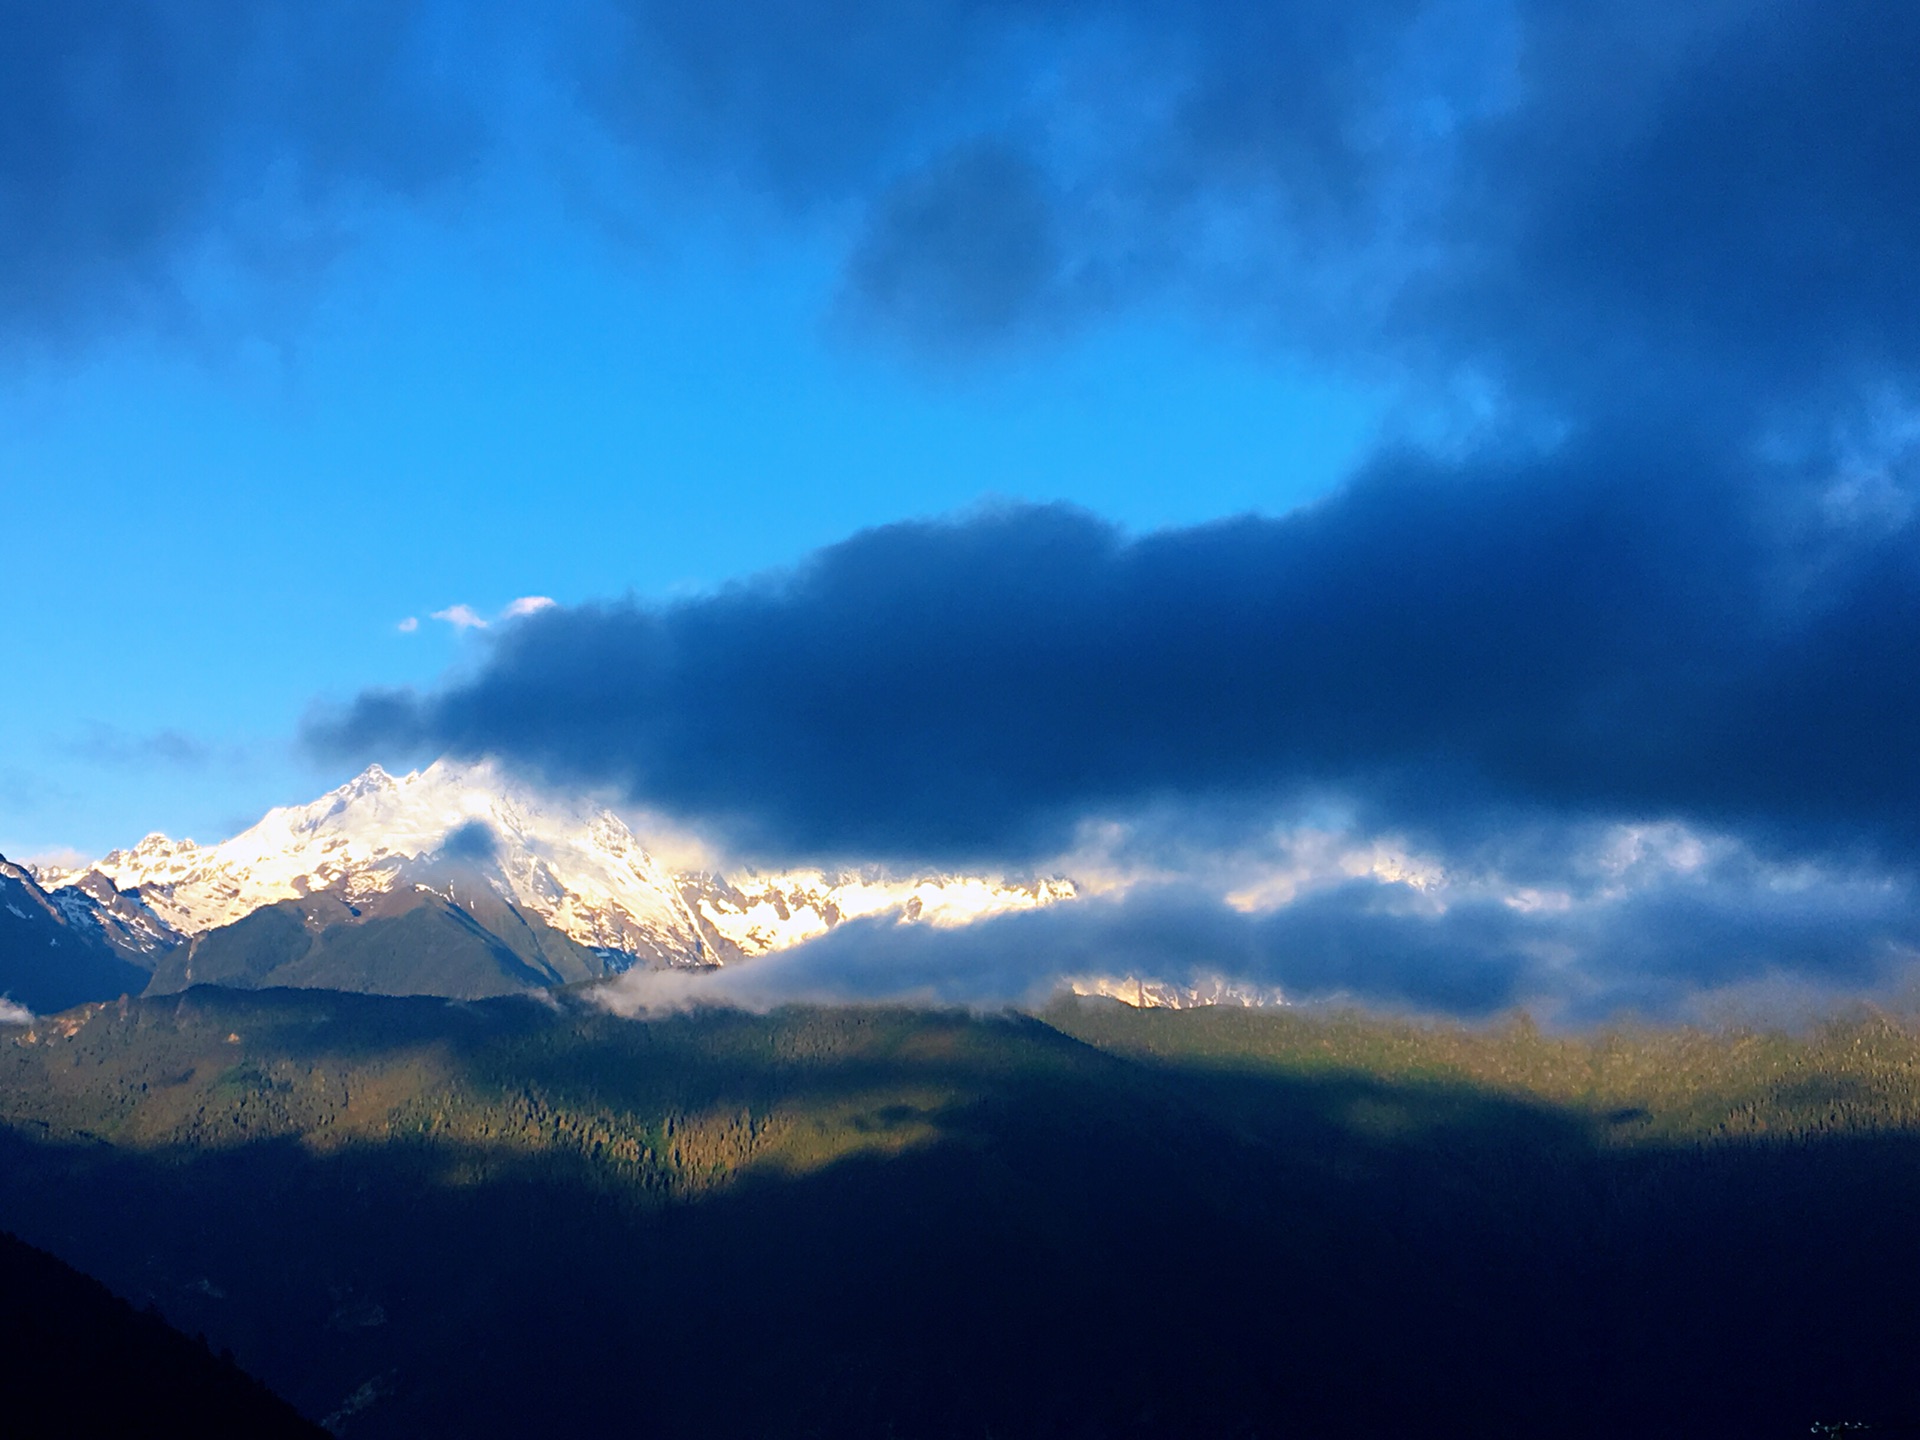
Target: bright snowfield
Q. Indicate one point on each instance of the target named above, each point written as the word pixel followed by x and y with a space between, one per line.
pixel 1147 994
pixel 575 865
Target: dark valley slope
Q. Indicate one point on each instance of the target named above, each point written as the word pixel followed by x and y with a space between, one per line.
pixel 76 1360
pixel 503 1218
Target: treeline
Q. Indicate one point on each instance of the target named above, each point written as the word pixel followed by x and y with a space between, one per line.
pixel 1857 1074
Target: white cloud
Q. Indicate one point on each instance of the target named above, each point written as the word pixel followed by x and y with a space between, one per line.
pixel 57 857
pixel 1679 946
pixel 408 625
pixel 12 1013
pixel 465 617
pixel 1577 924
pixel 673 843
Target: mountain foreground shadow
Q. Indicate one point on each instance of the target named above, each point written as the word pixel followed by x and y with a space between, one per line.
pixel 416 1218
pixel 75 1359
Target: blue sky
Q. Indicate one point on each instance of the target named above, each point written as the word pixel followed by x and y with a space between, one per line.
pixel 465 409
pixel 1447 467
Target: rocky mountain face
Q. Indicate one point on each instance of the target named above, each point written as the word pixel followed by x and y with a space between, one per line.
pixel 122 921
pixel 445 929
pixel 53 950
pixel 455 880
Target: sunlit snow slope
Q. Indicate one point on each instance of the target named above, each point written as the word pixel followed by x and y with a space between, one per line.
pixel 575 865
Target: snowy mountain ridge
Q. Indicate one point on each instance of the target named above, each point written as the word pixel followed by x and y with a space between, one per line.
pixel 574 865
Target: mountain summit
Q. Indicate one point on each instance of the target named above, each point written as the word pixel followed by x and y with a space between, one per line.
pixel 457 879
pixel 577 868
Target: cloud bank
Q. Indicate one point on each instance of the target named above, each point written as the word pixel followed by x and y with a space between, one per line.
pixel 136 136
pixel 1694 936
pixel 1552 196
pixel 1625 627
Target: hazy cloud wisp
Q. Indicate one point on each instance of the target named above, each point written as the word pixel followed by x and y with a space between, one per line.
pixel 1679 941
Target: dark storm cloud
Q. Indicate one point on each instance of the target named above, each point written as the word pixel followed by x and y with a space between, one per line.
pixel 1007 167
pixel 1572 197
pixel 964 251
pixel 1720 197
pixel 132 131
pixel 1625 628
pixel 1568 194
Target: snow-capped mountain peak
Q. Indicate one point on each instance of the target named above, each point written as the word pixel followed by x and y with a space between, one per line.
pixel 573 864
pixel 578 868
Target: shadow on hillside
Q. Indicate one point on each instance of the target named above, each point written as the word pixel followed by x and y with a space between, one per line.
pixel 580 1056
pixel 1088 1247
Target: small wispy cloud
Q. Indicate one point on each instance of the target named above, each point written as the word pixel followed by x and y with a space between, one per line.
pixel 465 617
pixel 408 625
pixel 12 1013
pixel 23 790
pixel 58 857
pixel 110 745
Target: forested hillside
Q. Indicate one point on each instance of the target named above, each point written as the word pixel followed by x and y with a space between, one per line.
pixel 496 1218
